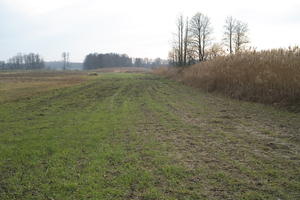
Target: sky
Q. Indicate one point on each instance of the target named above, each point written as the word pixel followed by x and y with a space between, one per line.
pixel 138 28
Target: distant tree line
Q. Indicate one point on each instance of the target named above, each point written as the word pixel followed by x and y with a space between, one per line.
pixel 146 62
pixel 193 40
pixel 24 62
pixel 95 61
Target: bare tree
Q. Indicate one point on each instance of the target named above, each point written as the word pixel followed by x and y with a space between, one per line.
pixel 201 34
pixel 179 53
pixel 186 42
pixel 172 57
pixel 241 35
pixel 229 27
pixel 236 34
pixel 215 50
pixel 180 27
pixel 64 57
pixel 66 60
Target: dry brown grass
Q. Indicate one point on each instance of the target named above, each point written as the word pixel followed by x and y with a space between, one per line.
pixel 16 85
pixel 22 84
pixel 271 76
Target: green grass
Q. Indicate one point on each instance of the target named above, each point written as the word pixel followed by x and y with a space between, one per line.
pixel 139 136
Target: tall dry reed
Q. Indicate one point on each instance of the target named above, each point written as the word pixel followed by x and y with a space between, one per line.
pixel 271 76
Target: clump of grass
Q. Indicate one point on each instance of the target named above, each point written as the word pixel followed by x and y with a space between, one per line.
pixel 93 74
pixel 269 76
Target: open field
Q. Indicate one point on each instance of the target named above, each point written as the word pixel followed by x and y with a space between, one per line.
pixel 16 84
pixel 141 136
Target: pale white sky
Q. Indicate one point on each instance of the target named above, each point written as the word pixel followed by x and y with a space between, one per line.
pixel 136 27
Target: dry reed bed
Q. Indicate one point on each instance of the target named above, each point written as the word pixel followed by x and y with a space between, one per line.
pixel 271 76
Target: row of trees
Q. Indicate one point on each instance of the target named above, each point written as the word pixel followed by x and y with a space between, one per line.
pixel 193 41
pixel 92 61
pixel 146 62
pixel 24 62
pixel 95 60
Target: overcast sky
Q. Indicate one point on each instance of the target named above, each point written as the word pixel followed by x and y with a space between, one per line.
pixel 137 27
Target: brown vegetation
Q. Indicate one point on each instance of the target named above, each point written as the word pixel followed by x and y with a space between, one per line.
pixel 16 85
pixel 23 84
pixel 271 76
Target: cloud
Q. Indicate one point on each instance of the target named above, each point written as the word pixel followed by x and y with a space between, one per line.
pixel 136 27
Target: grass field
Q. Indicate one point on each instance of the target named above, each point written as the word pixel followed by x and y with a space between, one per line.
pixel 140 136
pixel 17 85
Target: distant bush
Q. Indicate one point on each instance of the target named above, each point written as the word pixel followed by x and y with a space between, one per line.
pixel 93 74
pixel 271 76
